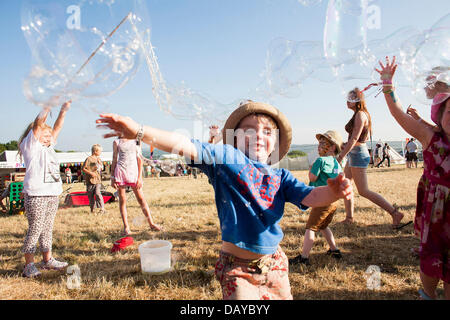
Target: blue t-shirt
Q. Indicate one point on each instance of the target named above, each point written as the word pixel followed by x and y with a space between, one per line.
pixel 250 196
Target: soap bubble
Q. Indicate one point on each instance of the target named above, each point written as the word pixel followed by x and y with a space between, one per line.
pixel 81 48
pixel 349 36
pixel 427 59
pixel 169 166
pixel 180 101
pixel 308 3
pixel 290 64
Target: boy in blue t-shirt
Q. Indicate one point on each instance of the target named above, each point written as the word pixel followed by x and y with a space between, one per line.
pixel 324 168
pixel 250 194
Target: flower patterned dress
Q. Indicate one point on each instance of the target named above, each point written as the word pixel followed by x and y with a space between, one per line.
pixel 432 221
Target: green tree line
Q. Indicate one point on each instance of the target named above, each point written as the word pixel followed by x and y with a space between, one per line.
pixel 11 145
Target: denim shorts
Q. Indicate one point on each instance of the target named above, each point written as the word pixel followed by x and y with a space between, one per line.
pixel 359 157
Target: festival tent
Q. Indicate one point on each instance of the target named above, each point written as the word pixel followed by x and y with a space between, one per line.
pixel 10 161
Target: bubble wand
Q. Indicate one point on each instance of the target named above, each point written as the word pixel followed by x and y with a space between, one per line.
pixel 103 42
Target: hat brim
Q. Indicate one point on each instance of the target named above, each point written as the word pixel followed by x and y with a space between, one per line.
pixel 333 141
pixel 284 127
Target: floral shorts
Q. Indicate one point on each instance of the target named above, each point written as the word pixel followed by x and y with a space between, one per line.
pixel 263 279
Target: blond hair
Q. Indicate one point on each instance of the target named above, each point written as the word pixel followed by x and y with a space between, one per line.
pixel 96 147
pixel 25 133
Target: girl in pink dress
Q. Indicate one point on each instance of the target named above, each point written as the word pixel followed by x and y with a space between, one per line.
pixel 126 171
pixel 432 220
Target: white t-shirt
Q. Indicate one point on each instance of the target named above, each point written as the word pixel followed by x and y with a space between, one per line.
pixel 42 177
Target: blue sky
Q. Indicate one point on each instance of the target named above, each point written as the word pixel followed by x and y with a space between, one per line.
pixel 218 48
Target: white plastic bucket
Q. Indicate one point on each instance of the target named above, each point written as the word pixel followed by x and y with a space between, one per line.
pixel 155 256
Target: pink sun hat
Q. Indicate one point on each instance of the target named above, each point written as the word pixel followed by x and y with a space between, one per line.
pixel 438 102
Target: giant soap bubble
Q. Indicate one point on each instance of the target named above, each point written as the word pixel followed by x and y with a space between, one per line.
pixel 427 58
pixel 84 48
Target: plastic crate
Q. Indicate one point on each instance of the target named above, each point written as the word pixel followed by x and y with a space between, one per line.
pixel 16 204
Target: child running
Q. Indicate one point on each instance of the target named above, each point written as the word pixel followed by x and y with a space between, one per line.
pixel 41 188
pixel 324 168
pixel 250 194
pixel 127 172
pixel 433 193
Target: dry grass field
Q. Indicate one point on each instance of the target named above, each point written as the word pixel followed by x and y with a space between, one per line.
pixel 186 209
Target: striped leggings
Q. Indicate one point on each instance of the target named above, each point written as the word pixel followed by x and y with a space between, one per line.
pixel 41 212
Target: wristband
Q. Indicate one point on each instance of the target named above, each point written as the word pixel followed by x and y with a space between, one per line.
pixel 140 134
pixel 387 82
pixel 389 90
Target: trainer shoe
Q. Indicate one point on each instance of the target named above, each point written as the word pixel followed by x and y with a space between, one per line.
pixel 54 264
pixel 335 253
pixel 30 271
pixel 300 260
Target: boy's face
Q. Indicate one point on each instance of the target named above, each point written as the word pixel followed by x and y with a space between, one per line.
pixel 256 137
pixel 325 147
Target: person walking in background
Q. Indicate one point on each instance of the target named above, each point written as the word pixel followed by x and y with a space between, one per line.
pixel 377 154
pixel 386 155
pixel 41 187
pixel 411 152
pixel 93 167
pixel 359 128
pixel 432 218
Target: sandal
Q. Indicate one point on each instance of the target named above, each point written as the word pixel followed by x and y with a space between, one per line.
pixel 396 225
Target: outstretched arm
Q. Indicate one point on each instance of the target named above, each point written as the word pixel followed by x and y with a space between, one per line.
pixel 126 127
pixel 420 131
pixel 337 188
pixel 60 120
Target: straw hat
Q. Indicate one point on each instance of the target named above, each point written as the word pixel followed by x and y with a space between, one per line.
pixel 438 101
pixel 250 107
pixel 334 137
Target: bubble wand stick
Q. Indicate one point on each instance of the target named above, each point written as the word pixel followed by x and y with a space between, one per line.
pixel 103 42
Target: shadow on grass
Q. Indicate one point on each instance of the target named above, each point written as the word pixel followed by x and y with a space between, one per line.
pixel 344 294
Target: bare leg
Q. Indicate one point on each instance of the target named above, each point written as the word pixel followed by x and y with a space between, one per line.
pixel 360 178
pixel 123 210
pixel 145 209
pixel 29 258
pixel 329 237
pixel 429 285
pixel 308 242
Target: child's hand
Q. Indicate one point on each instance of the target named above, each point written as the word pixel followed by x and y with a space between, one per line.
pixel 413 112
pixel 341 187
pixel 66 105
pixel 123 127
pixel 214 132
pixel 387 72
